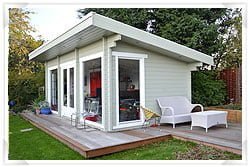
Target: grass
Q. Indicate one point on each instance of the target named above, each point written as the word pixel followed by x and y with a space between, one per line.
pixel 37 145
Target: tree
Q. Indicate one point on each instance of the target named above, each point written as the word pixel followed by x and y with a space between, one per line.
pixel 21 42
pixel 25 77
pixel 125 15
pixel 232 41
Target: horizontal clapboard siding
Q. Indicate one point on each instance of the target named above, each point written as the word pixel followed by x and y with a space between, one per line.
pixel 67 57
pixel 52 63
pixel 91 49
pixel 164 76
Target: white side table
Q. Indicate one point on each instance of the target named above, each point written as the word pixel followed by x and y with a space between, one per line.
pixel 208 119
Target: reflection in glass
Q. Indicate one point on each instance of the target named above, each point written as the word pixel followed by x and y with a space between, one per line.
pixel 54 99
pixel 93 90
pixel 129 92
pixel 71 84
pixel 65 87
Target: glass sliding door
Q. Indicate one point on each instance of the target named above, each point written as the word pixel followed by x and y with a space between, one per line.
pixel 68 90
pixel 65 87
pixel 53 93
pixel 92 90
pixel 129 89
pixel 71 88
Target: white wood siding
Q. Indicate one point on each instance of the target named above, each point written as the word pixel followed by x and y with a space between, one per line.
pixel 67 57
pixel 52 63
pixel 91 49
pixel 164 76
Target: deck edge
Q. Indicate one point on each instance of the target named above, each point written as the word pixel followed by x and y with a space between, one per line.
pixel 62 138
pixel 90 153
pixel 223 148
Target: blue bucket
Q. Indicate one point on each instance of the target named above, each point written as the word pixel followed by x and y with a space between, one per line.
pixel 45 111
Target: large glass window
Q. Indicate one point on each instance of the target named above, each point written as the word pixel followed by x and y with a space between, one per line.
pixel 65 87
pixel 71 83
pixel 53 93
pixel 129 92
pixel 93 90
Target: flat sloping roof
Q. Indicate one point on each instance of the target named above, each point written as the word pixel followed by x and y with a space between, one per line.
pixel 95 26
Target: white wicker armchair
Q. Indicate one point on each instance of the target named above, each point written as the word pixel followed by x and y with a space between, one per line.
pixel 176 109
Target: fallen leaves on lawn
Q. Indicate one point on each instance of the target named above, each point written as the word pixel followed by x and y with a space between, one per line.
pixel 200 152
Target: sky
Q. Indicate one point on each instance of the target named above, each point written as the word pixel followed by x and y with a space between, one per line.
pixel 52 21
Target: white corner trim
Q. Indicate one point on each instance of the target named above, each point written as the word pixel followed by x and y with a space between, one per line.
pixel 129 55
pixel 113 39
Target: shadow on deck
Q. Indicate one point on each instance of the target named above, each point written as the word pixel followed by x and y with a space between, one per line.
pixel 91 142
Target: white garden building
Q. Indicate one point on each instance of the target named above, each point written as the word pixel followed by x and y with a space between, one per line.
pixel 116 68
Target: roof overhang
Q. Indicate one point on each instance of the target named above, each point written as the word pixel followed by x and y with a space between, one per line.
pixel 95 26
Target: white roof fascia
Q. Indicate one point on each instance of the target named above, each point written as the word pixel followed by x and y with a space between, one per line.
pixel 87 21
pixel 134 33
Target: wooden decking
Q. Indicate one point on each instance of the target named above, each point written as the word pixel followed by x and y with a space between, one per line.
pixel 228 139
pixel 92 142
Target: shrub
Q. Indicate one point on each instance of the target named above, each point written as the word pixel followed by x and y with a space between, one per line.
pixel 23 89
pixel 232 106
pixel 207 89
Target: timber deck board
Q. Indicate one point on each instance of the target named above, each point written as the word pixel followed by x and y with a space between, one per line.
pixel 95 142
pixel 230 137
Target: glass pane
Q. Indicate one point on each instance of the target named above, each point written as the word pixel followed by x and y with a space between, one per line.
pixel 65 87
pixel 92 90
pixel 53 94
pixel 71 75
pixel 129 92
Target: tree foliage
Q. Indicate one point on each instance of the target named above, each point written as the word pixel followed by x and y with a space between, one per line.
pixel 21 42
pixel 207 89
pixel 136 17
pixel 231 57
pixel 23 89
pixel 25 77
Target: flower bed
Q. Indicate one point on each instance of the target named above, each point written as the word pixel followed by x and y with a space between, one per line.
pixel 233 116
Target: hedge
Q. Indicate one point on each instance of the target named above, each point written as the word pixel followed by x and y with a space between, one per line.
pixel 207 89
pixel 23 89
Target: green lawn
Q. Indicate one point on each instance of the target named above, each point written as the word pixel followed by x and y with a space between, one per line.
pixel 37 145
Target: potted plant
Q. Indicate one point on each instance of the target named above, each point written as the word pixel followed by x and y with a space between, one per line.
pixel 36 106
pixel 44 107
